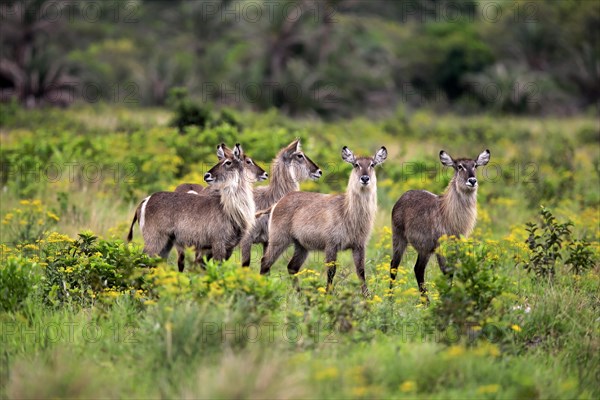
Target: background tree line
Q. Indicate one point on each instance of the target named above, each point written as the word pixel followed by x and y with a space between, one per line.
pixel 330 58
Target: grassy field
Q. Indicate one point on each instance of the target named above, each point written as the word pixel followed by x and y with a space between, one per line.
pixel 85 315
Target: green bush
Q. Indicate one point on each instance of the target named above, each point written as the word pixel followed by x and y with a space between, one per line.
pixel 80 271
pixel 550 242
pixel 581 256
pixel 546 247
pixel 19 277
pixel 187 112
pixel 472 299
pixel 220 282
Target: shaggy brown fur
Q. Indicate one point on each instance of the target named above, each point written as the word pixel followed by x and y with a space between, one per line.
pixel 331 223
pixel 215 220
pixel 420 218
pixel 252 172
pixel 289 167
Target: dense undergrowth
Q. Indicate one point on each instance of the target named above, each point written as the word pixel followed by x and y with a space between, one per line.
pixel 84 314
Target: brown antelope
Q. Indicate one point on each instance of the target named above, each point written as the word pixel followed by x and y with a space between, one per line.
pixel 215 220
pixel 289 167
pixel 331 223
pixel 420 218
pixel 252 170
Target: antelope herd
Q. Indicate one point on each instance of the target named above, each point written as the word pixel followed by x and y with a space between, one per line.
pixel 231 212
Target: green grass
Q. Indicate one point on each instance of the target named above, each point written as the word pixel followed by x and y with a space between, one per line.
pixel 229 332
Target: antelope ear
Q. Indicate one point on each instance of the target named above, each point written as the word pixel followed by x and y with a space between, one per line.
pixel 380 156
pixel 446 159
pixel 238 151
pixel 293 148
pixel 348 156
pixel 483 158
pixel 221 151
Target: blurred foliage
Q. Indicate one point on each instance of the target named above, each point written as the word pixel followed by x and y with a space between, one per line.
pixel 128 154
pixel 332 58
pixel 187 113
pixel 19 276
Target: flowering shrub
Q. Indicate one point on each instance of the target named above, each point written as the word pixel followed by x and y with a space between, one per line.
pixel 220 282
pixel 29 222
pixel 79 271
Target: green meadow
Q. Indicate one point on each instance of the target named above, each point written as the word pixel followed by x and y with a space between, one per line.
pixel 84 314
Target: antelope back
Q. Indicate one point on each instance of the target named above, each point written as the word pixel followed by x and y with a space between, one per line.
pixel 191 188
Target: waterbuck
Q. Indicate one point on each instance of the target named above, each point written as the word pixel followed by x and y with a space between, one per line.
pixel 252 170
pixel 215 220
pixel 420 218
pixel 331 223
pixel 289 167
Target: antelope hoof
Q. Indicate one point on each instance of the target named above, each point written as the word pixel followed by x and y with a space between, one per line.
pixel 366 292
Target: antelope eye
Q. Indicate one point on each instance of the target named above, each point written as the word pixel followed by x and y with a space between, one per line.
pixel 249 162
pixel 460 167
pixel 372 165
pixel 355 165
pixel 300 156
pixel 228 163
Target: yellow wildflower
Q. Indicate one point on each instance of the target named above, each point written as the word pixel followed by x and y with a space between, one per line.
pixel 485 389
pixel 53 216
pixel 359 391
pixel 408 386
pixel 455 351
pixel 327 373
pixel 55 237
pixel 487 349
pixel 111 293
pixel 410 292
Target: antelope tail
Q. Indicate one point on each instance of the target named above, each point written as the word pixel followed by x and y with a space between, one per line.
pixel 130 235
pixel 135 218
